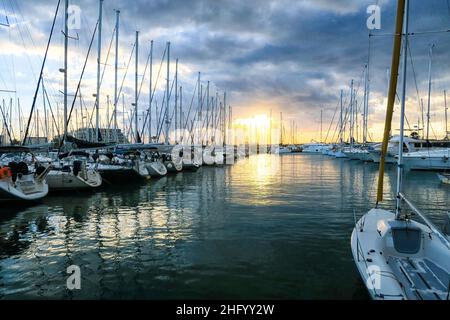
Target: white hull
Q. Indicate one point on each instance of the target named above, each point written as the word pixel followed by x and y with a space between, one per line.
pixel 173 167
pixel 428 160
pixel 60 180
pixel 400 260
pixel 156 169
pixel 24 189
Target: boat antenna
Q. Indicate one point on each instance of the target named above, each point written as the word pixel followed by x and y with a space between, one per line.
pixel 392 93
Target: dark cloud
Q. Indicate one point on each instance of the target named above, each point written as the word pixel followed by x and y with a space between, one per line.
pixel 298 54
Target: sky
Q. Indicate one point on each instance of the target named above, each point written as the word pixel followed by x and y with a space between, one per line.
pixel 270 56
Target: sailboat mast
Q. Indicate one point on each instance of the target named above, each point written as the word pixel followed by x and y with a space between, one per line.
pixel 167 94
pixel 402 113
pixel 365 106
pixel 352 114
pixel 429 90
pixel 224 118
pixel 446 115
pixel 321 124
pixel 392 93
pixel 136 98
pixel 150 94
pixel 176 100
pixel 281 128
pixel 116 67
pixel 99 52
pixel 341 120
pixel 66 45
pixel 207 113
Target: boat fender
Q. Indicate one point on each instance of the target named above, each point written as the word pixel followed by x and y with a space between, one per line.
pixel 5 173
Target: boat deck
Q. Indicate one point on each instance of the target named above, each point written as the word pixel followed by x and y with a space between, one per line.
pixel 421 279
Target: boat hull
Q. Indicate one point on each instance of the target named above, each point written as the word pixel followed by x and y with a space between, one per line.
pixel 156 169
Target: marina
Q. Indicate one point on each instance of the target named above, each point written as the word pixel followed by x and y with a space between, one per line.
pixel 150 160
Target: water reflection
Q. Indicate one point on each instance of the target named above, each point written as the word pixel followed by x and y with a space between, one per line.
pixel 267 227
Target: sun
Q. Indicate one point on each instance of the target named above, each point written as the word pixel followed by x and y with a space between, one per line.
pixel 261 121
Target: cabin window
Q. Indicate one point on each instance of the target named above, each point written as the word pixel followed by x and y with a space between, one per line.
pixel 405 148
pixel 407 240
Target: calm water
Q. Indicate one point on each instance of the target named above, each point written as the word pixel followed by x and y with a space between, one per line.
pixel 267 227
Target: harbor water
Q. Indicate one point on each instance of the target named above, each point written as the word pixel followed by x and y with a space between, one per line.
pixel 270 226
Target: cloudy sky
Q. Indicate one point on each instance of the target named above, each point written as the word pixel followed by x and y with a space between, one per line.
pixel 281 55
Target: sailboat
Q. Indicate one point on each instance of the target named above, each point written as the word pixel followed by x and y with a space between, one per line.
pixel 397 257
pixel 72 173
pixel 17 181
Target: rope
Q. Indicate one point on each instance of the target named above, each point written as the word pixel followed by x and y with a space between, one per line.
pixel 41 73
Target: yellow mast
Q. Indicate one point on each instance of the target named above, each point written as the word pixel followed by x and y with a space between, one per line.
pixel 392 91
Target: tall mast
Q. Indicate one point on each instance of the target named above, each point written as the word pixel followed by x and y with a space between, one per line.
pixel 181 112
pixel 321 121
pixel 365 105
pixel 270 131
pixel 402 113
pixel 116 67
pixel 176 100
pixel 167 93
pixel 199 101
pixel 99 52
pixel 351 114
pixel 341 119
pixel 150 94
pixel 66 45
pixel 392 93
pixel 224 117
pixel 136 97
pixel 429 91
pixel 207 113
pixel 446 116
pixel 281 127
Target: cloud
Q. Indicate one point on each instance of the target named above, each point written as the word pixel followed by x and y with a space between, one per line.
pixel 290 56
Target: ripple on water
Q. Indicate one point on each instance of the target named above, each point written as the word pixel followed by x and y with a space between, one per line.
pixel 267 227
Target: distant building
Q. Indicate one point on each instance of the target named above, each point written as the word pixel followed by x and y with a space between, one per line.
pixel 107 135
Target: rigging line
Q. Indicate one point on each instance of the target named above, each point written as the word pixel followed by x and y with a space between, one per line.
pixel 331 123
pixel 123 82
pixel 22 38
pixel 414 76
pixel 166 112
pixel 78 86
pixel 190 107
pixel 6 123
pixel 107 58
pixel 153 91
pixel 40 76
pixel 51 111
pixel 344 102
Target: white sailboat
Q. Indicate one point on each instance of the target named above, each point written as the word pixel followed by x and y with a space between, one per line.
pixel 72 173
pixel 397 257
pixel 432 159
pixel 154 164
pixel 20 184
